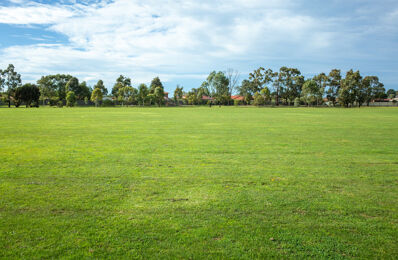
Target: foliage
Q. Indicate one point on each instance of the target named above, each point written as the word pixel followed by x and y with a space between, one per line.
pixel 96 96
pixel 108 103
pixel 101 86
pixel 70 99
pixel 199 183
pixel 27 94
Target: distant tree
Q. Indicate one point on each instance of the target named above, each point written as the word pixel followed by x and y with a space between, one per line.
pixel 310 92
pixel 2 81
pixel 53 87
pixel 391 93
pixel 334 81
pixel 349 88
pixel 127 95
pixel 12 80
pixel 258 99
pixel 217 85
pixel 157 91
pixel 83 91
pixel 96 96
pixel 121 82
pixel 28 93
pixel 291 81
pixel 142 94
pixel 70 99
pixel 178 92
pixel 233 78
pixel 101 86
pixel 322 80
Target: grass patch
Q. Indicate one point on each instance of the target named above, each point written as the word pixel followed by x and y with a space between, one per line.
pixel 199 182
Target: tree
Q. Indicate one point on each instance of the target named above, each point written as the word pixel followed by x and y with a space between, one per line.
pixel 157 91
pixel 101 86
pixel 142 94
pixel 310 92
pixel 246 90
pixel 391 93
pixel 96 96
pixel 349 88
pixel 28 93
pixel 2 81
pixel 12 80
pixel 178 92
pixel 70 99
pixel 127 95
pixel 53 87
pixel 333 84
pixel 83 91
pixel 322 80
pixel 374 89
pixel 159 95
pixel 290 83
pixel 233 78
pixel 121 82
pixel 217 85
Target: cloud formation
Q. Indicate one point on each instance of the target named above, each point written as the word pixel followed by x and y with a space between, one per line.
pixel 179 40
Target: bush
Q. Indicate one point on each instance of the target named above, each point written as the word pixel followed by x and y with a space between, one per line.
pixel 60 103
pixel 54 101
pixel 108 103
pixel 273 103
pixel 237 102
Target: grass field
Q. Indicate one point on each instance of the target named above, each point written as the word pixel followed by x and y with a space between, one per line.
pixel 198 183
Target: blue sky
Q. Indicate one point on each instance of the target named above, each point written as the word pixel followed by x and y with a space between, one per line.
pixel 182 41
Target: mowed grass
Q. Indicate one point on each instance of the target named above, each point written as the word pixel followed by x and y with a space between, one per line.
pixel 200 182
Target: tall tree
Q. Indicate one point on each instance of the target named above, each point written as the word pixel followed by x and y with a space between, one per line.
pixel 12 80
pixel 334 81
pixel 96 96
pixel 291 81
pixel 157 91
pixel 53 86
pixel 349 89
pixel 142 94
pixel 178 92
pixel 322 80
pixel 217 85
pixel 101 86
pixel 233 78
pixel 121 82
pixel 311 92
pixel 374 89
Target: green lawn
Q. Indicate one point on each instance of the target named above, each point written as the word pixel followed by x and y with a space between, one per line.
pixel 198 183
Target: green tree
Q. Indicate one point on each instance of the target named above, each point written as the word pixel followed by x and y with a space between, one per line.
pixel 28 93
pixel 53 87
pixel 12 80
pixel 217 85
pixel 334 81
pixel 101 86
pixel 96 96
pixel 310 92
pixel 391 93
pixel 142 94
pixel 289 83
pixel 70 99
pixel 159 95
pixel 349 88
pixel 178 92
pixel 127 95
pixel 121 82
pixel 154 84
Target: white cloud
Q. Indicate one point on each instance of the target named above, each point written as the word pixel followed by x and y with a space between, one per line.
pixel 174 39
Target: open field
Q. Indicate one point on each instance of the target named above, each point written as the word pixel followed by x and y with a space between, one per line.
pixel 199 182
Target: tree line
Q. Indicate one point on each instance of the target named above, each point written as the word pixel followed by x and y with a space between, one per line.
pixel 263 86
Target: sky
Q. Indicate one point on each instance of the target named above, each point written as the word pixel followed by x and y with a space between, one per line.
pixel 182 41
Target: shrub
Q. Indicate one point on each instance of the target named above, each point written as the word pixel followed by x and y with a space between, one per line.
pixel 70 99
pixel 108 103
pixel 60 103
pixel 54 101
